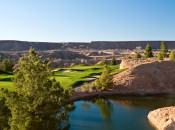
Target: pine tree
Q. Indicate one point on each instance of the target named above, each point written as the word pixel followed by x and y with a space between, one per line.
pixel 160 56
pixel 105 79
pixel 113 61
pixel 148 51
pixel 37 102
pixel 172 55
pixel 164 49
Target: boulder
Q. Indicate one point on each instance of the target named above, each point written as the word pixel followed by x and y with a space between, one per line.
pixel 163 118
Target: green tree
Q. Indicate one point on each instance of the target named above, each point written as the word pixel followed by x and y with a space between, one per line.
pixel 38 101
pixel 105 79
pixel 148 51
pixel 7 65
pixel 172 55
pixel 113 61
pixel 164 49
pixel 160 56
pixel 137 56
pixel 4 114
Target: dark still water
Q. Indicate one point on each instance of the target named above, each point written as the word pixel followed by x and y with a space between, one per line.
pixel 120 113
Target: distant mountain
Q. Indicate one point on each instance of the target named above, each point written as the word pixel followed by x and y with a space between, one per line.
pixel 12 45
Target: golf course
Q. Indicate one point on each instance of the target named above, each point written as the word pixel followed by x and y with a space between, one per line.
pixel 68 77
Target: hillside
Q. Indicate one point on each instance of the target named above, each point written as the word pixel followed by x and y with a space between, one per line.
pixel 148 78
pixel 11 45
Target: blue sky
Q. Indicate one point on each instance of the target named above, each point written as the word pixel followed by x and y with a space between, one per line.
pixel 87 20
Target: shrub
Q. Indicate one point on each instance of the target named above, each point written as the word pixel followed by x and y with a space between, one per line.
pixel 113 61
pixel 85 87
pixel 7 65
pixel 172 55
pixel 128 57
pixel 137 56
pixel 160 56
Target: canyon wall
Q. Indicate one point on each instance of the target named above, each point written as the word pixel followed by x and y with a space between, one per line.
pixel 11 45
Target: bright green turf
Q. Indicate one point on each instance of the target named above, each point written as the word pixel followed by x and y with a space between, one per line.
pixel 5 80
pixel 77 75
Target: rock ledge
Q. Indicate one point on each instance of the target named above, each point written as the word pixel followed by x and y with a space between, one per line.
pixel 163 118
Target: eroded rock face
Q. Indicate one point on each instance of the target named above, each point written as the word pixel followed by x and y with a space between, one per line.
pixel 149 78
pixel 163 118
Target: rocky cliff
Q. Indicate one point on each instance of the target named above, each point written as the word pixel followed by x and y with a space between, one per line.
pixel 149 78
pixel 10 45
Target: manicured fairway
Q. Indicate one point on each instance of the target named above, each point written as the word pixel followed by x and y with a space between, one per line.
pixel 68 77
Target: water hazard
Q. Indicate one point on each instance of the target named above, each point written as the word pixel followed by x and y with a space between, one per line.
pixel 120 113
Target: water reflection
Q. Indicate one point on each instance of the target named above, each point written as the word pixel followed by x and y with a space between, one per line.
pixel 104 105
pixel 120 113
pixel 146 102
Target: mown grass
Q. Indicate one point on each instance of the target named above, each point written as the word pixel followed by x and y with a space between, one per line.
pixel 74 76
pixel 5 80
pixel 79 74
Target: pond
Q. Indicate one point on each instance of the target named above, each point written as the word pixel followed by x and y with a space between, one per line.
pixel 120 113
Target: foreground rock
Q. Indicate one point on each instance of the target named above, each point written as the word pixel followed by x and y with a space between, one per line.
pixel 149 78
pixel 163 118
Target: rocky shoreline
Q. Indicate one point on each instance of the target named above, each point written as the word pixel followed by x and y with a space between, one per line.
pixel 163 118
pixel 109 93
